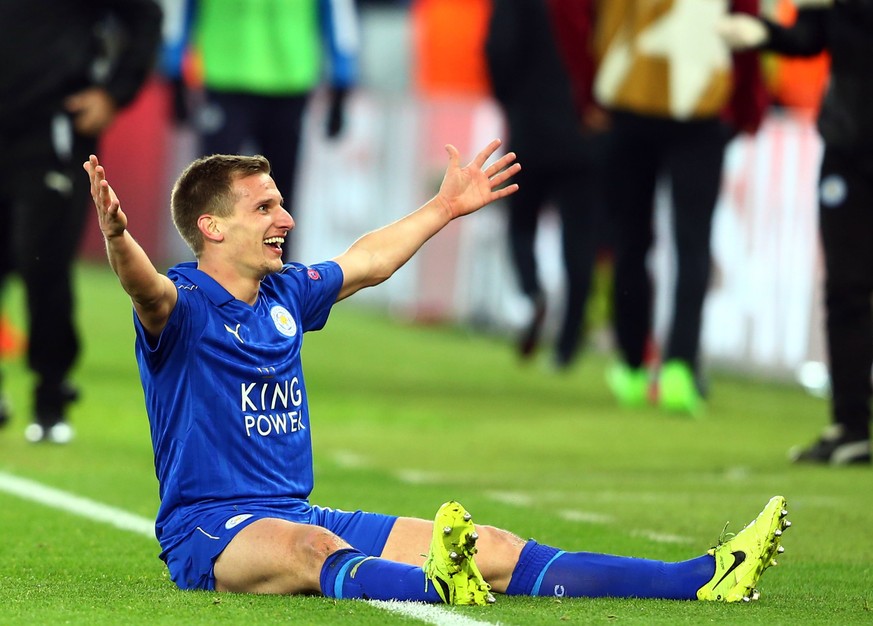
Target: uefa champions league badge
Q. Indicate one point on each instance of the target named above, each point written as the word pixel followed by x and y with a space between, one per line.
pixel 833 190
pixel 285 324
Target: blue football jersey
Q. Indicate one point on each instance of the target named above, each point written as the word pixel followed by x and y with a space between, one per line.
pixel 225 393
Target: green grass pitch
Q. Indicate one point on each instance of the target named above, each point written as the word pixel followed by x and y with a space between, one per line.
pixel 405 417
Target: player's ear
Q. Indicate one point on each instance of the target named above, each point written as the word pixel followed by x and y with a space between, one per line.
pixel 210 227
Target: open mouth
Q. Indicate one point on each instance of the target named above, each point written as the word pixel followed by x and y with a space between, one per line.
pixel 275 243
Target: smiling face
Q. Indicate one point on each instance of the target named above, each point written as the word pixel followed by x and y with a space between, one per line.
pixel 253 234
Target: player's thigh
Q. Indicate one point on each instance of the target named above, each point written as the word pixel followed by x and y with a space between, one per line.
pixel 275 556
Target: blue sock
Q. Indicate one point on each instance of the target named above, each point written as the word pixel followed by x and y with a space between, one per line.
pixel 351 574
pixel 546 571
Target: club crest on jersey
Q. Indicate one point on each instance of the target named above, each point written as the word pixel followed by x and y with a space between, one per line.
pixel 313 274
pixel 285 324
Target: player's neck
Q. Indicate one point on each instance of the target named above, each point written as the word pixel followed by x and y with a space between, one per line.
pixel 240 286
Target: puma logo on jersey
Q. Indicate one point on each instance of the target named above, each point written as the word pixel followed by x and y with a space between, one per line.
pixel 234 332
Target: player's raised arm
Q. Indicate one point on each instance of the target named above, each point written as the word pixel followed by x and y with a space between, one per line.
pixel 153 294
pixel 377 255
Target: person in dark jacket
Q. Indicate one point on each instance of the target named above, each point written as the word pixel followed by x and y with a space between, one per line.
pixel 845 29
pixel 68 68
pixel 540 70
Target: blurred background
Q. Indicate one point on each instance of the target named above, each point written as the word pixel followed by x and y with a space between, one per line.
pixel 423 83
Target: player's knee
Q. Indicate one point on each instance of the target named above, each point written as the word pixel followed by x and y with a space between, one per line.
pixel 318 543
pixel 501 546
pixel 504 541
pixel 498 555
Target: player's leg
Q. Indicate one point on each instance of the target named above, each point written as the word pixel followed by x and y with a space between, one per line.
pixel 271 555
pixel 514 566
pixel 276 556
pixel 729 572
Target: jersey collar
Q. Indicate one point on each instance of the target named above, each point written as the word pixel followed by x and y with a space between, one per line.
pixel 217 294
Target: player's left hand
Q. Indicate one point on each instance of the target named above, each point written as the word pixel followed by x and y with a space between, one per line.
pixel 467 189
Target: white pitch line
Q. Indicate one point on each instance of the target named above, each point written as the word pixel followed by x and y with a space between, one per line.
pixel 429 613
pixel 521 499
pixel 83 507
pixel 419 477
pixel 512 498
pixel 525 500
pixel 572 515
pixel 660 537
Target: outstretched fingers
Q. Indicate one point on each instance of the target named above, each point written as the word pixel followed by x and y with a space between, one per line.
pixel 502 164
pixel 468 189
pixel 501 171
pixel 98 181
pixel 485 153
pixel 112 220
pixel 497 194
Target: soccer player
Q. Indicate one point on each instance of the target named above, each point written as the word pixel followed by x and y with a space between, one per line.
pixel 218 346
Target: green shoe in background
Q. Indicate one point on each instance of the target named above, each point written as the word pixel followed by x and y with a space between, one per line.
pixel 677 388
pixel 629 385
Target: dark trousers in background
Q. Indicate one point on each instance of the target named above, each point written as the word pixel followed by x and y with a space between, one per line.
pixel 689 155
pixel 846 224
pixel 44 203
pixel 574 188
pixel 230 122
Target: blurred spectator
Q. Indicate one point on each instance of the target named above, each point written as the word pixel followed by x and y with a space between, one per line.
pixel 259 63
pixel 68 68
pixel 675 97
pixel 541 73
pixel 845 29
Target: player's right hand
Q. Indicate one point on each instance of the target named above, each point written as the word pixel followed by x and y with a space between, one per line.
pixel 113 221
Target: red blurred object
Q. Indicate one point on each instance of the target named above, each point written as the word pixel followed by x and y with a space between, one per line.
pixel 798 83
pixel 13 341
pixel 134 150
